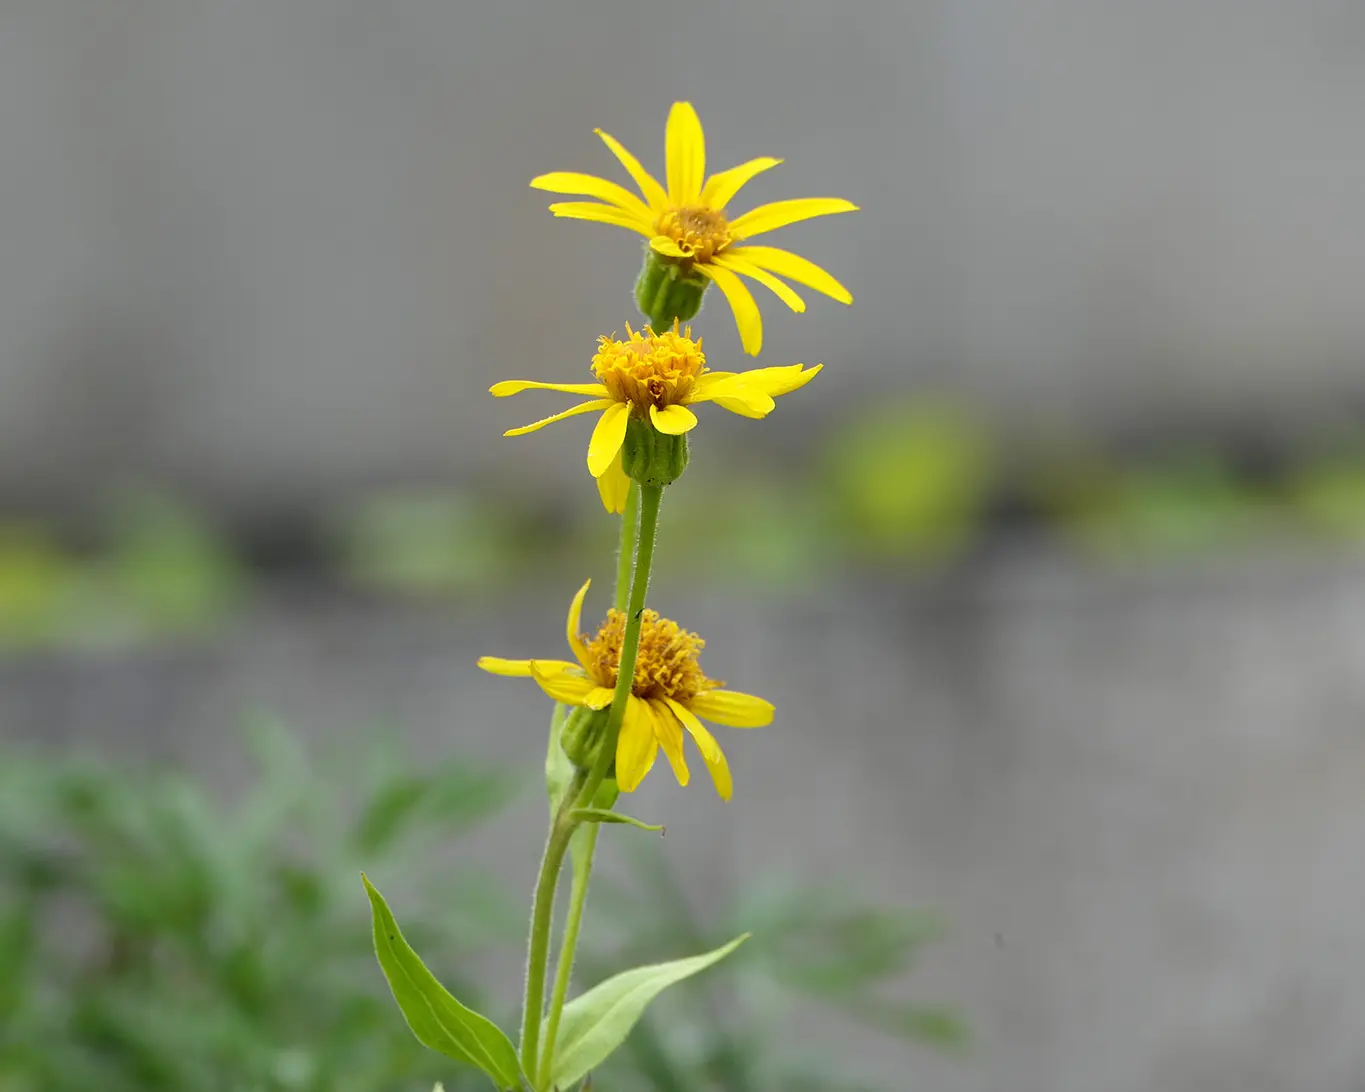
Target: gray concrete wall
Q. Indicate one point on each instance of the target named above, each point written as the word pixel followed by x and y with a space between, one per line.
pixel 1140 800
pixel 269 249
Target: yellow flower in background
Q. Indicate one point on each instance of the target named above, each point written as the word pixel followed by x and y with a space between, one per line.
pixel 655 378
pixel 667 695
pixel 687 223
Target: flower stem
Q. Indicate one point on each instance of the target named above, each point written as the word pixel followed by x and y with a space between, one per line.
pixel 650 496
pixel 580 794
pixel 578 897
pixel 625 558
pixel 583 854
pixel 542 918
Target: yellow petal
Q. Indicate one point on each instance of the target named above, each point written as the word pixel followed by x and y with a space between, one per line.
pixel 636 746
pixel 496 665
pixel 602 214
pixel 774 382
pixel 793 267
pixel 721 188
pixel 753 401
pixel 746 406
pixel 580 650
pixel 563 683
pixel 673 420
pixel 592 186
pixel 582 407
pixel 776 287
pixel 553 667
pixel 711 753
pixel 669 734
pixel 649 185
pixel 781 213
pixel 607 438
pixel 788 379
pixel 751 393
pixel 731 708
pixel 598 698
pixel 516 386
pixel 664 245
pixel 685 151
pixel 613 487
pixel 747 318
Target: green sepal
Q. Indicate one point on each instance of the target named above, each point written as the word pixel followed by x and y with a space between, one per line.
pixel 652 457
pixel 582 734
pixel 668 291
pixel 602 815
pixel 597 1023
pixel 435 1017
pixel 558 768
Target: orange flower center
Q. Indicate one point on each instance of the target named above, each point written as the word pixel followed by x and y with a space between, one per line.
pixel 700 233
pixel 666 665
pixel 650 369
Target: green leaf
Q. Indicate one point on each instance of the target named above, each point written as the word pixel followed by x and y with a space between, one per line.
pixel 603 815
pixel 436 1018
pixel 598 1022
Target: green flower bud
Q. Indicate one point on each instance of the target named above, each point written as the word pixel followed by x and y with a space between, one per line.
pixel 582 734
pixel 668 290
pixel 652 457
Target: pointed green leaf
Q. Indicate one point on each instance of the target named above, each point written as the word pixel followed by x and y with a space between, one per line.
pixel 436 1018
pixel 602 815
pixel 598 1022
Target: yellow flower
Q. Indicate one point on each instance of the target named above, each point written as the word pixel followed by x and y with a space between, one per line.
pixel 687 221
pixel 655 377
pixel 667 695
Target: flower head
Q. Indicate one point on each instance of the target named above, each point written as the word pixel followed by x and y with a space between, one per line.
pixel 687 224
pixel 654 378
pixel 668 693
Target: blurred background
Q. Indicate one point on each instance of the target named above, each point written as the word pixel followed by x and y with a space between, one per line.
pixel 1054 575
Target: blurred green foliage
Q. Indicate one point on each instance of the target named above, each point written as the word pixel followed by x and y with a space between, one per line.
pixel 910 480
pixel 909 486
pixel 156 939
pixel 1190 504
pixel 1329 493
pixel 428 543
pixel 158 571
pixel 816 958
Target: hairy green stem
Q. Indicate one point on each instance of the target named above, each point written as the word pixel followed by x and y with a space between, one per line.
pixel 582 862
pixel 650 496
pixel 582 791
pixel 625 557
pixel 578 897
pixel 542 918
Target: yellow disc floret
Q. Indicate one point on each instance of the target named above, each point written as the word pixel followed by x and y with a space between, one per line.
pixel 695 238
pixel 666 665
pixel 700 233
pixel 649 369
pixel 669 694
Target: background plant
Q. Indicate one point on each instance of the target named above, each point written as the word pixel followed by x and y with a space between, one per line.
pixel 155 937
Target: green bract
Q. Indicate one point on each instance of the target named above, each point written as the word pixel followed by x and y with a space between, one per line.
pixel 651 457
pixel 667 292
